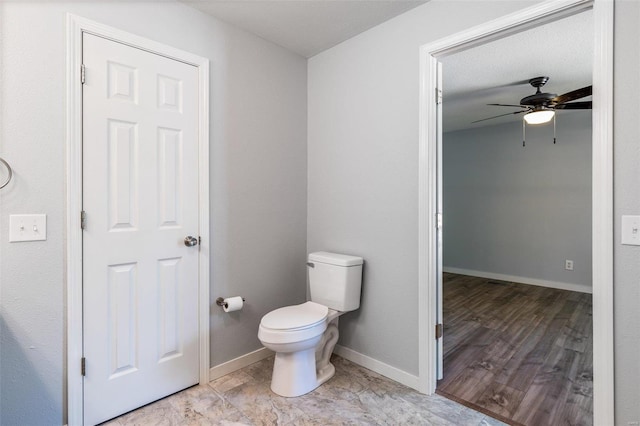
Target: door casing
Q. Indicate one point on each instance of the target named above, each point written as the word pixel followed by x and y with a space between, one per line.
pixel 76 26
pixel 602 186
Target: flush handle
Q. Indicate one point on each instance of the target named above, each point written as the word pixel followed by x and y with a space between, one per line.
pixel 311 265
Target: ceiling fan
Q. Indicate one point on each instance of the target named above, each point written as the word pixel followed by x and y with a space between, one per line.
pixel 540 107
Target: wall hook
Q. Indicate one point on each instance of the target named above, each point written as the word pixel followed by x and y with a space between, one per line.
pixel 9 171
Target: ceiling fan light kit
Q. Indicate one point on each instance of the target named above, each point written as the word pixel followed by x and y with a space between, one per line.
pixel 539 117
pixel 540 107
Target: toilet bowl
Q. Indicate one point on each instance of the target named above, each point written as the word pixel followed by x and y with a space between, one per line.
pixel 304 336
pixel 293 333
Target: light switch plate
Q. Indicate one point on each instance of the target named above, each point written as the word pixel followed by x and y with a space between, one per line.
pixel 27 227
pixel 631 230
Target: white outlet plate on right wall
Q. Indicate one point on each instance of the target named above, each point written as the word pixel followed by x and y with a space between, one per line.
pixel 631 230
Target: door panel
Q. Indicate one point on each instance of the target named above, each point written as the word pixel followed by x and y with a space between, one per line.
pixel 439 250
pixel 140 195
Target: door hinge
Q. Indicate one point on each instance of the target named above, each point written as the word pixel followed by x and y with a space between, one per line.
pixel 83 366
pixel 438 331
pixel 83 220
pixel 438 220
pixel 82 73
pixel 438 96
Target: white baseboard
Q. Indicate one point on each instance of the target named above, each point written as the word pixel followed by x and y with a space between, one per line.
pixel 379 367
pixel 238 363
pixel 522 280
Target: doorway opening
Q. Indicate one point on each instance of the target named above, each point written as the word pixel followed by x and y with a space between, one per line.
pixel 430 294
pixel 517 340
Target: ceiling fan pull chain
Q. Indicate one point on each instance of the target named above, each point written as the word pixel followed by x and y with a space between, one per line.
pixel 554 129
pixel 523 132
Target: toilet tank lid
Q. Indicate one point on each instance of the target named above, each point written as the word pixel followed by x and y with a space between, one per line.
pixel 335 258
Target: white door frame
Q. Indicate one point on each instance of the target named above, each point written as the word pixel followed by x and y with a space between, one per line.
pixel 76 26
pixel 602 181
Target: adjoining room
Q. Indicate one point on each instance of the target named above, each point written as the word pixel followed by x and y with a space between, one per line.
pixel 517 279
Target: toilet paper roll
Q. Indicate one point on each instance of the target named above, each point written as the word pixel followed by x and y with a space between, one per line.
pixel 232 304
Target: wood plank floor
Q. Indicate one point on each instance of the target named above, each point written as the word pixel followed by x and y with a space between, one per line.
pixel 521 353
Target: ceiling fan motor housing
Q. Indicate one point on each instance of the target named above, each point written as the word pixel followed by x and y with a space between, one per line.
pixel 538 99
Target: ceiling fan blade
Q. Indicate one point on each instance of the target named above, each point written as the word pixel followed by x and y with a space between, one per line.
pixel 573 95
pixel 574 105
pixel 501 115
pixel 517 106
pixel 479 93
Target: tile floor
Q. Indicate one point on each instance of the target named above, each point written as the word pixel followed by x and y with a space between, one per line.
pixel 354 396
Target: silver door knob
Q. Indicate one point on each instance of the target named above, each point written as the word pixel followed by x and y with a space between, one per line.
pixel 190 241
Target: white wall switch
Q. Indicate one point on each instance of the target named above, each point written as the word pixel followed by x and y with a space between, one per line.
pixel 631 230
pixel 568 265
pixel 27 227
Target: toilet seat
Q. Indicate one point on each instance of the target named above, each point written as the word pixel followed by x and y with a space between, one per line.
pixel 295 317
pixel 293 323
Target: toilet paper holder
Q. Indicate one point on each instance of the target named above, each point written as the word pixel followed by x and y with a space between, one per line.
pixel 220 301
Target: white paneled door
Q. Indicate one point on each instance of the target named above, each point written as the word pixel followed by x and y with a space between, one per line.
pixel 140 198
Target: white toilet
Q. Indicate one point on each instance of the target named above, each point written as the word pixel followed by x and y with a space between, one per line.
pixel 303 336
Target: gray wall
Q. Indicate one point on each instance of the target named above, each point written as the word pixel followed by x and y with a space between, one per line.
pixel 258 184
pixel 363 173
pixel 517 210
pixel 363 167
pixel 626 194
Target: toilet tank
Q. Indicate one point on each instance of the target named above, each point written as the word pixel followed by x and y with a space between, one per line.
pixel 335 280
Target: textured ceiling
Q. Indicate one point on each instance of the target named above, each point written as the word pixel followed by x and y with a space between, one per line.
pixel 498 72
pixel 306 27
